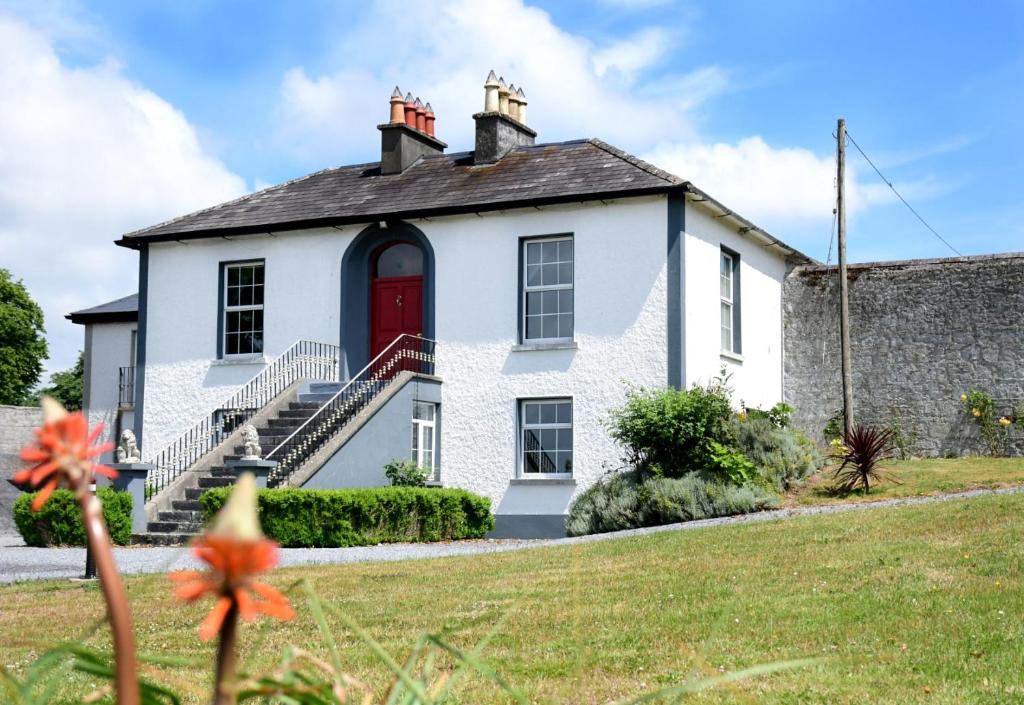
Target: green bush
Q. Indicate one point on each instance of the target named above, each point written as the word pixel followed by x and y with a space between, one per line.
pixel 781 455
pixel 357 517
pixel 779 415
pixel 59 521
pixel 405 473
pixel 670 431
pixel 628 501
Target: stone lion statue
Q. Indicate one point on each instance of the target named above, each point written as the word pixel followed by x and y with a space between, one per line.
pixel 251 441
pixel 128 450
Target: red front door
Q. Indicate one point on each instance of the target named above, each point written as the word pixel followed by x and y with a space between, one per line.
pixel 396 307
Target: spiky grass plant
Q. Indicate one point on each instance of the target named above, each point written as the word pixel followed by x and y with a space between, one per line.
pixel 861 454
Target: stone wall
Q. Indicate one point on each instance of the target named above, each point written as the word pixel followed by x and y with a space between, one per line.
pixel 16 424
pixel 923 332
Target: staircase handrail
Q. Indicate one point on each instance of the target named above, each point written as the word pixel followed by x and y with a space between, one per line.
pixel 403 352
pixel 304 359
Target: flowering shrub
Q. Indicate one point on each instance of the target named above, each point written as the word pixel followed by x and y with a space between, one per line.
pixel 993 428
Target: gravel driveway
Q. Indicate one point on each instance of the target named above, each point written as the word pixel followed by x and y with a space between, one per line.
pixel 19 562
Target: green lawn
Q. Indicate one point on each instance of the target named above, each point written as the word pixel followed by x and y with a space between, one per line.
pixel 912 478
pixel 911 605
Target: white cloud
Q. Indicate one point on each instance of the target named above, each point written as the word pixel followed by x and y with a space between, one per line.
pixel 86 155
pixel 442 52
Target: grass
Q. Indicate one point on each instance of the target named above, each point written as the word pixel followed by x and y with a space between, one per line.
pixel 908 605
pixel 919 477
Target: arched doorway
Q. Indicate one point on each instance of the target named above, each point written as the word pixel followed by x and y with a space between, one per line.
pixel 396 294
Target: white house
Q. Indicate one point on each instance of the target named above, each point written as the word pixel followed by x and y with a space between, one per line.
pixel 478 312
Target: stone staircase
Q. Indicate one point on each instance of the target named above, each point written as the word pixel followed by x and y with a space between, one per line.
pixel 178 525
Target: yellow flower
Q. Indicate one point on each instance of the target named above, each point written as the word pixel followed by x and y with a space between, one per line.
pixel 963 397
pixel 975 412
pixel 1005 421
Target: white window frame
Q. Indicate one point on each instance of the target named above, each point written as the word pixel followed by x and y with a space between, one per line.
pixel 247 307
pixel 421 429
pixel 727 301
pixel 523 426
pixel 539 288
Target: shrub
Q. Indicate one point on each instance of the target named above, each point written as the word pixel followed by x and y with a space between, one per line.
pixel 781 454
pixel 406 473
pixel 981 407
pixel 668 431
pixel 729 463
pixel 358 517
pixel 59 521
pixel 780 415
pixel 863 449
pixel 834 426
pixel 629 500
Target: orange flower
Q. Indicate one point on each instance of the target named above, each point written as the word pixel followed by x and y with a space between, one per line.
pixel 63 450
pixel 236 550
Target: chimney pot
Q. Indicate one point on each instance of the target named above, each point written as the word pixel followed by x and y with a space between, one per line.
pixel 397 107
pixel 429 119
pixel 502 96
pixel 410 110
pixel 491 93
pixel 421 116
pixel 521 97
pixel 513 102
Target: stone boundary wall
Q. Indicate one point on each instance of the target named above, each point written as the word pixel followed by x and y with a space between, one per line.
pixel 16 424
pixel 923 332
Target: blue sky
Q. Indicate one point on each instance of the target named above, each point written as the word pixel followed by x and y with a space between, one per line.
pixel 121 114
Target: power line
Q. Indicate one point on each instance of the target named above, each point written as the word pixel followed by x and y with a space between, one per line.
pixel 889 184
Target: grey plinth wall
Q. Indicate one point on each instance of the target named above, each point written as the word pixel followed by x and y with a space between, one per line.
pixel 131 478
pixel 260 468
pixel 923 332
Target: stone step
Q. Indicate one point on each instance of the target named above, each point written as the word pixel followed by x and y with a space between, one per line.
pixel 285 423
pixel 221 471
pixel 195 492
pixel 325 387
pixel 173 527
pixel 187 505
pixel 318 398
pixel 180 515
pixel 208 482
pixel 162 539
pixel 296 413
pixel 303 405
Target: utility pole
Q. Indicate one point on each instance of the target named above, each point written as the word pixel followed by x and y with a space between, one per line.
pixel 844 294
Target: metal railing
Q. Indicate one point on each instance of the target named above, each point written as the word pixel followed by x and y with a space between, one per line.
pixel 406 353
pixel 306 359
pixel 126 387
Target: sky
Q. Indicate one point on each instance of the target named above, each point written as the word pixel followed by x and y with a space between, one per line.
pixel 115 115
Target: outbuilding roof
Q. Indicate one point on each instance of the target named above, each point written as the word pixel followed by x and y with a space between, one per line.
pixel 124 309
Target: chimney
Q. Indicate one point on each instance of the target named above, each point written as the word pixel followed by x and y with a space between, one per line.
pixel 499 130
pixel 408 135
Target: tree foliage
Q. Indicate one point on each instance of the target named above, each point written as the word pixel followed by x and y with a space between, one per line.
pixel 22 345
pixel 66 386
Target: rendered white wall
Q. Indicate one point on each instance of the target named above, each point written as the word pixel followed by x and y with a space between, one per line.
pixel 757 380
pixel 620 329
pixel 108 349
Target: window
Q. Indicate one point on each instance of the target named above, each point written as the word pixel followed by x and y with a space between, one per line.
pixel 243 309
pixel 424 423
pixel 400 260
pixel 547 289
pixel 729 293
pixel 546 437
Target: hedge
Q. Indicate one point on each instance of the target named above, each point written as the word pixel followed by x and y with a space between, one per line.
pixel 59 521
pixel 298 518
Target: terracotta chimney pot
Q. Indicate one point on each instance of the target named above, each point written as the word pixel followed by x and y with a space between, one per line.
pixel 410 110
pixel 397 107
pixel 502 96
pixel 491 93
pixel 521 99
pixel 429 119
pixel 421 116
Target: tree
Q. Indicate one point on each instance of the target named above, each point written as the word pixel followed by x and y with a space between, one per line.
pixel 22 345
pixel 66 387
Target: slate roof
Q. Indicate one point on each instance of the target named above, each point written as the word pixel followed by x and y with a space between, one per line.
pixel 124 309
pixel 434 185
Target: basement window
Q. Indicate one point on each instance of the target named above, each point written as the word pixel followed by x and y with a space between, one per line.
pixel 545 438
pixel 424 430
pixel 242 315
